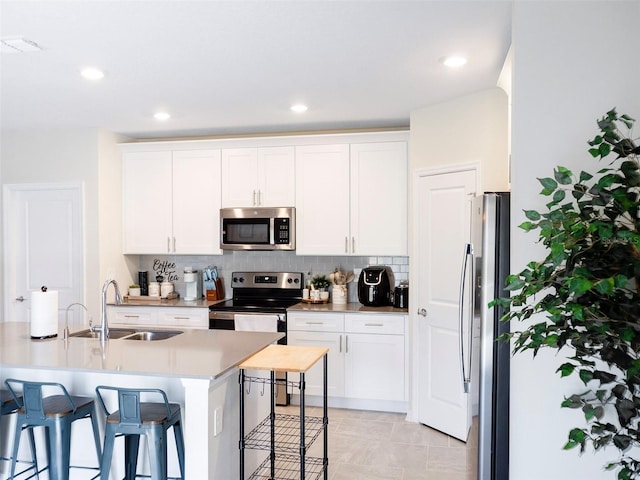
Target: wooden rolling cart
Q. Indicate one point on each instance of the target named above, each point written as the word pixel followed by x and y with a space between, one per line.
pixel 287 437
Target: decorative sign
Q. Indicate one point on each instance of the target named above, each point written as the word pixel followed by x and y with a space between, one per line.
pixel 166 269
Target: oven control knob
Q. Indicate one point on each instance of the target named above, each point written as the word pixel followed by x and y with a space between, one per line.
pixel 289 280
pixel 297 280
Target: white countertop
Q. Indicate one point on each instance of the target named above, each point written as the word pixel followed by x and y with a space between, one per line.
pixel 178 302
pixel 192 354
pixel 344 308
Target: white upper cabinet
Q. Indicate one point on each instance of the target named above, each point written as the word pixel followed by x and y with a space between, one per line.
pixel 322 200
pixel 352 199
pixel 171 202
pixel 379 199
pixel 258 177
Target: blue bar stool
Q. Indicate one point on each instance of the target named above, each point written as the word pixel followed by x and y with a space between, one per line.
pixel 55 413
pixel 134 418
pixel 9 405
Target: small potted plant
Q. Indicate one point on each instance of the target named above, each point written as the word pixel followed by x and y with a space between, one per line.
pixel 321 284
pixel 134 290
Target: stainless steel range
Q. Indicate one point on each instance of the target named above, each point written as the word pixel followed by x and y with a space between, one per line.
pixel 259 303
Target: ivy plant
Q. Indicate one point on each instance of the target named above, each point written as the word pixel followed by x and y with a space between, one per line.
pixel 583 298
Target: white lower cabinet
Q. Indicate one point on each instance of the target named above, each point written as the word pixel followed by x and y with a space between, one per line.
pixel 367 353
pixel 171 317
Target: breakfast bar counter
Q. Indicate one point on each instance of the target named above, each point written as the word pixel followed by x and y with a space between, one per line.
pixel 197 368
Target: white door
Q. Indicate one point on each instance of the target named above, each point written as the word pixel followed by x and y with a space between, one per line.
pixel 442 203
pixel 43 246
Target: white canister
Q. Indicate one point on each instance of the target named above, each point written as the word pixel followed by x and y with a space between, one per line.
pixel 154 289
pixel 339 294
pixel 166 288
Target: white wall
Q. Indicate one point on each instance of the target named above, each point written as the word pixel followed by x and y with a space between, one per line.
pixel 573 61
pixel 87 156
pixel 470 129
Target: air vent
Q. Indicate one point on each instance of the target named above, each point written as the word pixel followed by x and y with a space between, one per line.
pixel 18 45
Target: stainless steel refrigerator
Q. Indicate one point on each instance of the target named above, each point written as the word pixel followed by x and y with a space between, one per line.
pixel 489 249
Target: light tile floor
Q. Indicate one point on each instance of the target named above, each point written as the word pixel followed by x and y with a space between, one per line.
pixel 384 446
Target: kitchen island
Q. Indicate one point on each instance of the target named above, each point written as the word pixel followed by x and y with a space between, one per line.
pixel 197 368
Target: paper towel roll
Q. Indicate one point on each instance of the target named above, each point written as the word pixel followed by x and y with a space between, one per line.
pixel 44 314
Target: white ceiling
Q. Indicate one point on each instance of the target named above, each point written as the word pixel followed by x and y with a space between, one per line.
pixel 224 67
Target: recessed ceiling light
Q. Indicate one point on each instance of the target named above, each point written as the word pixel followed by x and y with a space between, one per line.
pixel 454 61
pixel 299 108
pixel 162 116
pixel 91 73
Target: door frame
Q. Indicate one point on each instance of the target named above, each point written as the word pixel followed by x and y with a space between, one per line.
pixel 412 413
pixel 9 192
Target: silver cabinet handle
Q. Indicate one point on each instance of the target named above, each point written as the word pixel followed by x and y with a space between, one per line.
pixel 422 311
pixel 174 244
pixel 181 318
pixel 132 316
pixel 340 351
pixel 353 244
pixel 374 324
pixel 346 244
pixel 314 323
pixel 21 299
pixel 346 344
pixel 259 197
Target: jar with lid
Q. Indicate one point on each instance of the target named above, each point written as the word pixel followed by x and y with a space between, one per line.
pixel 166 288
pixel 154 289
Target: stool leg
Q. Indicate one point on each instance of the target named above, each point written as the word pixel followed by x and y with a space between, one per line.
pixel 105 464
pixel 60 436
pixel 177 431
pixel 131 446
pixel 16 444
pixel 32 446
pixel 157 443
pixel 96 435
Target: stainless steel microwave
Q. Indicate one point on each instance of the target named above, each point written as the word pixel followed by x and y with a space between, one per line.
pixel 258 228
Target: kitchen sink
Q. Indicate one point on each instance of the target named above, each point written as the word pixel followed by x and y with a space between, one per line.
pixel 151 335
pixel 114 333
pixel 129 334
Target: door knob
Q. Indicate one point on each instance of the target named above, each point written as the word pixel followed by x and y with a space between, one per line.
pixel 422 311
pixel 20 299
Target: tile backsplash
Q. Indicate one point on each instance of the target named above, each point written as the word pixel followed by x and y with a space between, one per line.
pixel 172 266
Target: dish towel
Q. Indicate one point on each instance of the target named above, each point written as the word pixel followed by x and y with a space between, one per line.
pixel 256 323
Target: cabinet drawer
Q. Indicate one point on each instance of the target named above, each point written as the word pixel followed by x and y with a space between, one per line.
pixel 184 317
pixel 316 322
pixel 132 316
pixel 364 323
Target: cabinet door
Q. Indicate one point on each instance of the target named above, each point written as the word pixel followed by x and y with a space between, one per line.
pixel 379 198
pixel 240 177
pixel 322 200
pixel 335 362
pixel 276 177
pixel 147 202
pixel 374 366
pixel 196 202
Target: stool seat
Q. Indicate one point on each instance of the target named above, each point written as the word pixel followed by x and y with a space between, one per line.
pixel 55 413
pixel 134 418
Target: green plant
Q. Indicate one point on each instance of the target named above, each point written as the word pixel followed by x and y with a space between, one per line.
pixel 588 286
pixel 320 281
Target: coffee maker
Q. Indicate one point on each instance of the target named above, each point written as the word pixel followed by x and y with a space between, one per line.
pixel 193 285
pixel 374 287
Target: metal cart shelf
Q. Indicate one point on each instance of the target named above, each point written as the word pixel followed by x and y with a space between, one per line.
pixel 287 437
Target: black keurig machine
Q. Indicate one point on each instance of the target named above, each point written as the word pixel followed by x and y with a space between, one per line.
pixel 374 287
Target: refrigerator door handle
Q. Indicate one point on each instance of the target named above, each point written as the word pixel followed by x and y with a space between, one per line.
pixel 465 359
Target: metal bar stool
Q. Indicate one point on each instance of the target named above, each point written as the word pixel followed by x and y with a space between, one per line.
pixel 9 405
pixel 55 413
pixel 134 418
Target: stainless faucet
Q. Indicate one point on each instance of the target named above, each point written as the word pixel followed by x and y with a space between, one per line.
pixel 65 333
pixel 103 328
